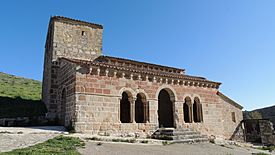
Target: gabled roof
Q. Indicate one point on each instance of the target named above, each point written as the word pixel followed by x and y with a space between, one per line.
pixel 75 22
pixel 139 67
pixel 137 64
pixel 228 100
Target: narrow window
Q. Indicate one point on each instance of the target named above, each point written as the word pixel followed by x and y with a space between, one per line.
pixel 83 33
pixel 233 116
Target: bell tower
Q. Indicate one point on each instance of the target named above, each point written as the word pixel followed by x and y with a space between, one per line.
pixel 75 39
pixel 67 38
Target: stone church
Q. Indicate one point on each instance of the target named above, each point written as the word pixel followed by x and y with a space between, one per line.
pixel 94 93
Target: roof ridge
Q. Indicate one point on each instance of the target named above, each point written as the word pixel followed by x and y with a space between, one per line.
pixel 230 100
pixel 173 75
pixel 76 21
pixel 106 56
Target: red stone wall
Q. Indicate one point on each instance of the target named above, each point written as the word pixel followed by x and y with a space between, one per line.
pixel 98 105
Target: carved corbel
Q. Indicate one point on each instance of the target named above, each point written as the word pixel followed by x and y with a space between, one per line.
pixel 106 72
pixel 98 71
pixel 91 70
pixel 139 77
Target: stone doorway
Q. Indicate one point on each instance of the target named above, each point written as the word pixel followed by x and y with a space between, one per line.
pixel 165 109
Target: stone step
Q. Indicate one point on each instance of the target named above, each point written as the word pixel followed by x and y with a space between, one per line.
pixel 196 140
pixel 173 129
pixel 179 135
pixel 187 137
pixel 177 132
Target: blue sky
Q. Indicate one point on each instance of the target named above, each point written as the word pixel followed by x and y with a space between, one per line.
pixel 231 41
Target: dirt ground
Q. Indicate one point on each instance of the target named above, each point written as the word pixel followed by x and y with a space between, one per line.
pixel 14 137
pixel 92 148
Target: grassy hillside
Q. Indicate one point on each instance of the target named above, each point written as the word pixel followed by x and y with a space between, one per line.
pixel 13 86
pixel 20 97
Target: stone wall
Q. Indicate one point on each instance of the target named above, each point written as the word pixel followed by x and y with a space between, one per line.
pixel 267 113
pixel 76 41
pixel 259 131
pixel 98 104
pixel 93 95
pixel 231 125
pixel 23 121
pixel 47 75
pixel 66 80
pixel 70 39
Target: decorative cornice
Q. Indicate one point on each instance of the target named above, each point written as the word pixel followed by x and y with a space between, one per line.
pixel 109 69
pixel 138 65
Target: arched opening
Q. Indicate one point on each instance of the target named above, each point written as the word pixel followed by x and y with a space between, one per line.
pixel 63 107
pixel 141 109
pixel 197 110
pixel 125 108
pixel 165 109
pixel 187 110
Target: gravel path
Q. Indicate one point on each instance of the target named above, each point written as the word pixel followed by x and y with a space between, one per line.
pixel 92 148
pixel 15 137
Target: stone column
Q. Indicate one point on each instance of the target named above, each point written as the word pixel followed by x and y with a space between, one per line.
pixel 133 110
pixel 178 114
pixel 191 111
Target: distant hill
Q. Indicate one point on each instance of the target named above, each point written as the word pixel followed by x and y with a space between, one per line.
pixel 268 112
pixel 13 87
pixel 265 113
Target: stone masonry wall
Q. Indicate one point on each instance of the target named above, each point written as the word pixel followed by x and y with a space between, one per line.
pixel 47 71
pixel 70 40
pixel 229 125
pixel 67 82
pixel 76 41
pixel 98 105
pixel 93 100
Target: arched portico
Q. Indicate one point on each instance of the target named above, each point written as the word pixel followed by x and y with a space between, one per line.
pixel 141 109
pixel 125 107
pixel 166 100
